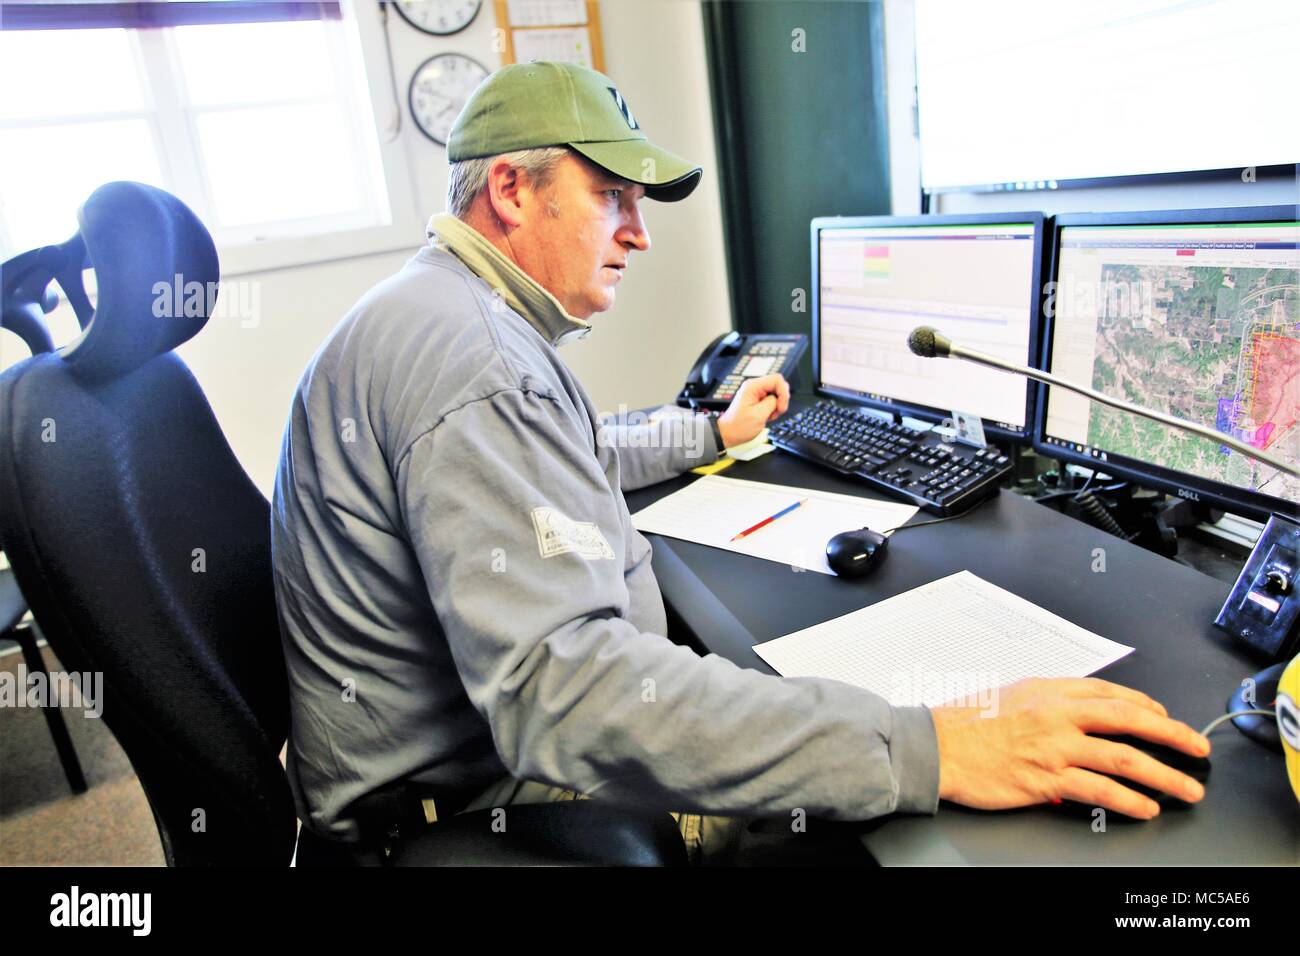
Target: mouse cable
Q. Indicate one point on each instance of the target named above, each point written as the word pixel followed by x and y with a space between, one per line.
pixel 1209 728
pixel 922 524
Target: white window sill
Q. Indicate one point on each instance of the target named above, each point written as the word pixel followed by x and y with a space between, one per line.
pixel 265 256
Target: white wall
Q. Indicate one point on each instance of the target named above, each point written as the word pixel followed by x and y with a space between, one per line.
pixel 672 301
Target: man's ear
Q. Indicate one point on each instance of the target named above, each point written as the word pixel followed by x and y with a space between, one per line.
pixel 504 185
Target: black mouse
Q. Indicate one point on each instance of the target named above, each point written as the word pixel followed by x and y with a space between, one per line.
pixel 852 554
pixel 1198 768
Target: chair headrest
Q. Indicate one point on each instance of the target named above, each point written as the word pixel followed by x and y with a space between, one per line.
pixel 157 271
pixel 24 295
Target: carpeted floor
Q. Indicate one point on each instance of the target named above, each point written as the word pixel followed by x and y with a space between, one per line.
pixel 42 823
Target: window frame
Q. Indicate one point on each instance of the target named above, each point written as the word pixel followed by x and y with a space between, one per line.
pixel 172 119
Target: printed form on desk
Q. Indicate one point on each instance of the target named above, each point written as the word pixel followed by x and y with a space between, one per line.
pixel 712 510
pixel 954 639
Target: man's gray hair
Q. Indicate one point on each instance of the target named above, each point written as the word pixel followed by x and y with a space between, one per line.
pixel 469 176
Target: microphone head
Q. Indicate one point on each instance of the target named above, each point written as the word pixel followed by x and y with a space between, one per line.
pixel 921 342
pixel 929 342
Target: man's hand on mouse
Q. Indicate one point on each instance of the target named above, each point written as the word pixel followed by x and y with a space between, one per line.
pixel 759 401
pixel 1035 748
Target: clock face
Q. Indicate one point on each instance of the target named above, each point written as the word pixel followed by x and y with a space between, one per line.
pixel 439 90
pixel 439 17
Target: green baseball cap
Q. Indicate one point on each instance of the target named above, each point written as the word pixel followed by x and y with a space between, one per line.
pixel 544 103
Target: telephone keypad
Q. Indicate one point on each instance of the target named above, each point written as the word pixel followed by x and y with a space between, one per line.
pixel 762 358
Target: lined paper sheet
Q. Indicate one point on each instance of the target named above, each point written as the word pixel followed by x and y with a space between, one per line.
pixel 715 509
pixel 955 638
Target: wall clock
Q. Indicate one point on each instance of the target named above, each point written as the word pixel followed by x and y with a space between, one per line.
pixel 439 17
pixel 439 90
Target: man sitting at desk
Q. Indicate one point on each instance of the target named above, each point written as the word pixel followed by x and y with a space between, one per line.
pixel 470 618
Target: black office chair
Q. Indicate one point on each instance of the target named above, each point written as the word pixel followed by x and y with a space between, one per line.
pixel 12 611
pixel 20 313
pixel 144 551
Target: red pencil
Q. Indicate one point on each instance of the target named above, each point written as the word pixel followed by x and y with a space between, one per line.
pixel 767 521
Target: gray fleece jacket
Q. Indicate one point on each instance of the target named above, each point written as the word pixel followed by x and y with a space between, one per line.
pixel 462 594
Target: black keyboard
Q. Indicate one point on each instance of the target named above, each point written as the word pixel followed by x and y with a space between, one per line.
pixel 940 476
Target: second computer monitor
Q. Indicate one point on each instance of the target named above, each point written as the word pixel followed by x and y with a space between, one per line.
pixel 1193 313
pixel 976 279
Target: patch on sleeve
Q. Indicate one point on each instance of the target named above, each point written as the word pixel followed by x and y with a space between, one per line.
pixel 557 534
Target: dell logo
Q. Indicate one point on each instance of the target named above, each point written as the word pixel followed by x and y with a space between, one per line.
pixel 1189 495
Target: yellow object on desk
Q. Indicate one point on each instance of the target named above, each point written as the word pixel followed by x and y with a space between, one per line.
pixel 722 464
pixel 756 446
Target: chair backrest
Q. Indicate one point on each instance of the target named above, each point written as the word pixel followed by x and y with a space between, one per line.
pixel 141 545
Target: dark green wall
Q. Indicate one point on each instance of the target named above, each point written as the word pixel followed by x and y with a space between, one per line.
pixel 800 134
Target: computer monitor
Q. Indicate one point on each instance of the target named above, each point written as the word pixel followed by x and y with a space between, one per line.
pixel 1195 313
pixel 977 279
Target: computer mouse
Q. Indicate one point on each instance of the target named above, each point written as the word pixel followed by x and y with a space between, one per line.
pixel 852 554
pixel 1198 768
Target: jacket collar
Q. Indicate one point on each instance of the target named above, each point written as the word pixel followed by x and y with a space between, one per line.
pixel 521 292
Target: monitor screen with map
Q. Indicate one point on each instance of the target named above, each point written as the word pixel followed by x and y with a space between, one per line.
pixel 1191 313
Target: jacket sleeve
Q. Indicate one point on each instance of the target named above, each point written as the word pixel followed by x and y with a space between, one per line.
pixel 522 544
pixel 651 452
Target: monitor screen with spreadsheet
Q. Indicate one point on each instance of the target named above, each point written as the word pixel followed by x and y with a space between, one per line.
pixel 976 279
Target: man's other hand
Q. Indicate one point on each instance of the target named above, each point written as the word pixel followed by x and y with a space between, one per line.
pixel 759 401
pixel 1036 748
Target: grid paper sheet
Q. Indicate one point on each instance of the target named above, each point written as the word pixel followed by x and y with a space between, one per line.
pixel 956 638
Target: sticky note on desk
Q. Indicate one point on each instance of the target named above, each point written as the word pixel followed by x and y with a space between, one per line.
pixel 750 451
pixel 756 447
pixel 722 464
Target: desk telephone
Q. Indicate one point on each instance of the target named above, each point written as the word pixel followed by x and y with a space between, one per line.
pixel 730 359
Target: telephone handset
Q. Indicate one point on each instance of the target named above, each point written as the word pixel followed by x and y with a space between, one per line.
pixel 730 359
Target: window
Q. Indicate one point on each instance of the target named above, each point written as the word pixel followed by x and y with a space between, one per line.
pixel 257 115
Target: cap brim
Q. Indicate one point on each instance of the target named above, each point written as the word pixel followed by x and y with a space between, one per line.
pixel 666 176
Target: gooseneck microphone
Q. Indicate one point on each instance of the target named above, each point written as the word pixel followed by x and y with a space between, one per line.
pixel 930 343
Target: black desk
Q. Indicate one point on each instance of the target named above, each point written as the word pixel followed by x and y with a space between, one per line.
pixel 729 602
